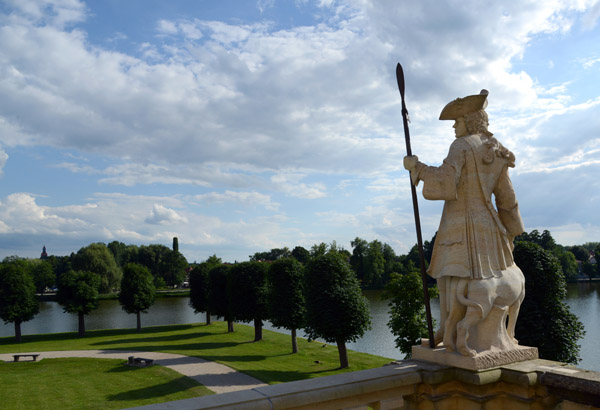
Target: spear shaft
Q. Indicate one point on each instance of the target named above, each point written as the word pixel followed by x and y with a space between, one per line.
pixel 400 78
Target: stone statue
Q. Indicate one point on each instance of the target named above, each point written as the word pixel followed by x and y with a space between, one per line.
pixel 472 257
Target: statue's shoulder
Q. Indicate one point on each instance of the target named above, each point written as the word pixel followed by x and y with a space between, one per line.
pixel 466 142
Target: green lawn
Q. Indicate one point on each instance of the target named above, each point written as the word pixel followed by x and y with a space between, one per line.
pixel 270 360
pixel 81 383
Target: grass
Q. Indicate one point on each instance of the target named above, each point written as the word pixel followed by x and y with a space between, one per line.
pixel 269 360
pixel 82 383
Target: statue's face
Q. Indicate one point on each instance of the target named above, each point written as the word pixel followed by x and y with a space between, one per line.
pixel 460 127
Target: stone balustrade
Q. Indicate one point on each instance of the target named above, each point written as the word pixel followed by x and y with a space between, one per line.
pixel 411 384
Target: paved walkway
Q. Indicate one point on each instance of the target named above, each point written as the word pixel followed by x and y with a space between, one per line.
pixel 217 377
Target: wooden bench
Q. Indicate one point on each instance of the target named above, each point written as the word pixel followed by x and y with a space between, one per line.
pixel 16 357
pixel 138 360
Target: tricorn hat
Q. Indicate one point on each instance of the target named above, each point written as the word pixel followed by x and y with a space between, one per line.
pixel 466 105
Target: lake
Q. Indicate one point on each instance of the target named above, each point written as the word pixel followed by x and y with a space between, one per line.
pixel 582 298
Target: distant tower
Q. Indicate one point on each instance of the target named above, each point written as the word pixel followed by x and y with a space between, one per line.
pixel 44 254
pixel 175 244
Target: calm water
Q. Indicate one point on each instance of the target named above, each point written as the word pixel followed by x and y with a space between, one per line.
pixel 583 299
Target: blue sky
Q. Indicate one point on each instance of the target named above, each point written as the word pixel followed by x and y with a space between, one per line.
pixel 239 126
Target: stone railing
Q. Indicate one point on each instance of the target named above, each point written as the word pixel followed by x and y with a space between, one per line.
pixel 412 384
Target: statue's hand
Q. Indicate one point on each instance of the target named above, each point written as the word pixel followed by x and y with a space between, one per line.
pixel 410 162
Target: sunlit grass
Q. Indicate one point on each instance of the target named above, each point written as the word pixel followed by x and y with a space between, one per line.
pixel 83 383
pixel 270 360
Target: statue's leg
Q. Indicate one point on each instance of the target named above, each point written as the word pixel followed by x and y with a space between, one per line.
pixel 472 317
pixel 454 315
pixel 513 313
pixel 442 286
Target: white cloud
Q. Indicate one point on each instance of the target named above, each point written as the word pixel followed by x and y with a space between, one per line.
pixel 291 185
pixel 243 198
pixel 164 216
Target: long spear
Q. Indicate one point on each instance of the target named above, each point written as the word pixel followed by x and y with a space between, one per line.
pixel 400 78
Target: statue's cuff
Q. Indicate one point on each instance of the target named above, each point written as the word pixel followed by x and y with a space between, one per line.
pixel 415 174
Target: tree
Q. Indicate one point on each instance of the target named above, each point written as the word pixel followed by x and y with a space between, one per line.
pixel 336 310
pixel 408 320
pixel 152 257
pixel 200 286
pixel 248 286
pixel 119 251
pixel 18 303
pixel 374 265
pixel 285 296
pixel 569 265
pixel 544 319
pixel 78 294
pixel 43 275
pixel 173 268
pixel 360 248
pixel 219 297
pixel 301 254
pixel 137 291
pixel 97 258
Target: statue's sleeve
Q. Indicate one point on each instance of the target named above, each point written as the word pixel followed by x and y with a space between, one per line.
pixel 508 207
pixel 439 183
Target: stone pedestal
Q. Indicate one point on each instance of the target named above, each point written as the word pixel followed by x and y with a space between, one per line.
pixel 480 361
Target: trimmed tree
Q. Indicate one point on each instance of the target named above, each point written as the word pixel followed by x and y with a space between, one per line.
pixel 78 294
pixel 248 281
pixel 408 321
pixel 18 303
pixel 336 310
pixel 544 318
pixel 285 296
pixel 200 289
pixel 137 291
pixel 219 298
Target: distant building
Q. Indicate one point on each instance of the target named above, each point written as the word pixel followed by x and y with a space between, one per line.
pixel 44 254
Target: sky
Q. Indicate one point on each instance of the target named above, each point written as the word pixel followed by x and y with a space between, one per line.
pixel 240 125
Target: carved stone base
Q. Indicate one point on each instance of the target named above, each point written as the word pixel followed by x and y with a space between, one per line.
pixel 480 361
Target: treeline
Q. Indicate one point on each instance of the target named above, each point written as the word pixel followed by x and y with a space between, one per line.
pixel 372 262
pixel 575 261
pixel 167 266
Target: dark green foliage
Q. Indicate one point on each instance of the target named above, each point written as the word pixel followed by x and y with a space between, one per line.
pixel 119 251
pixel 285 296
pixel 78 293
pixel 97 258
pixel 167 266
pixel 272 255
pixel 301 254
pixel 544 319
pixel 173 268
pixel 219 299
pixel 137 290
pixel 408 320
pixel 336 310
pixel 18 302
pixel 175 244
pixel 200 286
pixel 248 281
pixel 43 275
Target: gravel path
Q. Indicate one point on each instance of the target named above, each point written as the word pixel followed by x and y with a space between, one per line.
pixel 217 377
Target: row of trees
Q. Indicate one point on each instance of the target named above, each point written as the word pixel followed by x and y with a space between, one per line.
pixel 78 293
pixel 322 297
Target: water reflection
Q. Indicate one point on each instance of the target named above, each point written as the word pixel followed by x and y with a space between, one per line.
pixel 582 298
